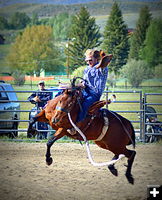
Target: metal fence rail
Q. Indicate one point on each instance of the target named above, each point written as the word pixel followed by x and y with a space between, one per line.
pixel 137 102
pixel 142 103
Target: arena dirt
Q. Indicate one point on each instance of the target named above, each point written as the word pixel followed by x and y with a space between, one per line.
pixel 24 174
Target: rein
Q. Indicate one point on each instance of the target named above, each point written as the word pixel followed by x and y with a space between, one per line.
pixel 88 149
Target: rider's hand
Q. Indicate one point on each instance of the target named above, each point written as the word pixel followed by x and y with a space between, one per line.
pixel 81 84
pixel 36 99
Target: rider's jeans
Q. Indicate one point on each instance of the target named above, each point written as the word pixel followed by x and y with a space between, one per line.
pixel 89 99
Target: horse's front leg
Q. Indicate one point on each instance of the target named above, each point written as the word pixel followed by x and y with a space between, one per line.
pixel 59 134
pixel 30 126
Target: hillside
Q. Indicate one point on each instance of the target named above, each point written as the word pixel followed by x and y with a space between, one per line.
pixel 54 2
pixel 48 8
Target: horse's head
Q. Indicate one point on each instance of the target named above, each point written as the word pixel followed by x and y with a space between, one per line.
pixel 68 103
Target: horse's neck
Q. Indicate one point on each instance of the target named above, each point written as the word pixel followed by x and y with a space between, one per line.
pixel 75 111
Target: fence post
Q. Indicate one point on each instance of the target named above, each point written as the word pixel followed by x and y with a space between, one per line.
pixel 141 116
pixel 144 117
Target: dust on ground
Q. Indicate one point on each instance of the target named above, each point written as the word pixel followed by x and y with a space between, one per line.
pixel 24 174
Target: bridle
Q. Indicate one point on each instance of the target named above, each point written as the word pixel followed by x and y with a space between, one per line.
pixel 70 106
pixel 68 110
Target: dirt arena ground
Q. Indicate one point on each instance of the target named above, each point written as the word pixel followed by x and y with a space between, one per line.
pixel 24 174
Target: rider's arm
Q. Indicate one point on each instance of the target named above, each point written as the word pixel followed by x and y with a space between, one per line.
pixel 31 98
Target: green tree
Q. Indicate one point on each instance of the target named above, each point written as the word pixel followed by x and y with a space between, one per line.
pixel 61 26
pixel 136 71
pixel 84 34
pixel 34 51
pixel 116 39
pixel 34 19
pixel 3 23
pixel 78 72
pixel 158 71
pixel 139 35
pixel 19 20
pixel 152 51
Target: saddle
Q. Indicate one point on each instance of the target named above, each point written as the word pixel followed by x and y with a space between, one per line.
pixel 94 110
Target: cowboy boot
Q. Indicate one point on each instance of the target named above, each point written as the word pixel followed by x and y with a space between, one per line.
pixel 72 130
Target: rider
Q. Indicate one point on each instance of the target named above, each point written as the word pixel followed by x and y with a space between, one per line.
pixel 95 76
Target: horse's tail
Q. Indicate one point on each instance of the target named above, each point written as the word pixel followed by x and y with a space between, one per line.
pixel 133 137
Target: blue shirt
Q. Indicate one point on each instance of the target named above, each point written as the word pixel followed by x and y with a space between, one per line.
pixel 96 79
pixel 43 96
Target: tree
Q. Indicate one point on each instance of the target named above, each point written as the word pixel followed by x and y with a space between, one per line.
pixel 19 20
pixel 139 35
pixel 152 51
pixel 34 51
pixel 84 34
pixel 34 19
pixel 116 39
pixel 158 71
pixel 61 26
pixel 3 23
pixel 79 71
pixel 136 71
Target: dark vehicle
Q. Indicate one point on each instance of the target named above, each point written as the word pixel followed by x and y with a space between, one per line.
pixel 155 126
pixel 8 108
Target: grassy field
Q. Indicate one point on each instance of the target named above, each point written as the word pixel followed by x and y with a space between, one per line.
pixel 116 106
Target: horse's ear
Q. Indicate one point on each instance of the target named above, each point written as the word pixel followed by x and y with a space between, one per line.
pixel 66 91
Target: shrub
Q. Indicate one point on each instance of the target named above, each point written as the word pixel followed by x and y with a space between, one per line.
pixel 136 71
pixel 158 71
pixel 79 71
pixel 19 78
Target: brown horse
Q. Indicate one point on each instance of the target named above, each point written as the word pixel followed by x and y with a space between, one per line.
pixel 119 134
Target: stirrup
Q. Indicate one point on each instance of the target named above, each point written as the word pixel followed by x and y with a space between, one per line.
pixel 72 131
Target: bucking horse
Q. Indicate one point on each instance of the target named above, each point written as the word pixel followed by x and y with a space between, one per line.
pixel 106 128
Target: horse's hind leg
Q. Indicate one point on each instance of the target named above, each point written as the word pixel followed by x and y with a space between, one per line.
pixel 39 117
pixel 112 168
pixel 30 127
pixel 130 155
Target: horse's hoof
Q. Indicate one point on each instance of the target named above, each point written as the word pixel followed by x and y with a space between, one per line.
pixel 130 178
pixel 113 170
pixel 49 161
